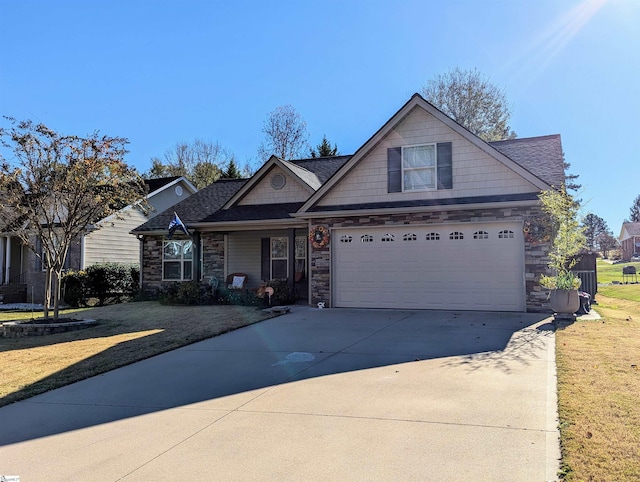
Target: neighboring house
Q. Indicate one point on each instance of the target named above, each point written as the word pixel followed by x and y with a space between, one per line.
pixel 21 274
pixel 425 215
pixel 630 240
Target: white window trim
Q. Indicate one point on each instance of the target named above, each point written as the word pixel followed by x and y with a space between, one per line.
pixel 272 259
pixel 182 260
pixel 434 168
pixel 303 243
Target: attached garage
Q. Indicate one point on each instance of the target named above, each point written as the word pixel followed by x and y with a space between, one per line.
pixel 466 266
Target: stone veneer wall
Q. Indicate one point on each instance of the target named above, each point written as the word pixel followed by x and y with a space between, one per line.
pixel 213 260
pixel 535 255
pixel 151 264
pixel 213 255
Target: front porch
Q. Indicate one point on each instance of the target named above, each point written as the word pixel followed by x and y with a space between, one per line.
pixel 261 254
pixel 13 270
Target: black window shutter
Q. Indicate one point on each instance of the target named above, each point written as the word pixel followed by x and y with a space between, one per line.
pixel 394 169
pixel 265 259
pixel 445 166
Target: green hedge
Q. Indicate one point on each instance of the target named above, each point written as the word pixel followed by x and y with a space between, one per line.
pixel 195 293
pixel 104 282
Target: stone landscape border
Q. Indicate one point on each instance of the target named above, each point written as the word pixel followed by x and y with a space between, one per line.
pixel 15 329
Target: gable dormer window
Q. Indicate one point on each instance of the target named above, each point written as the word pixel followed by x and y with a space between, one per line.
pixel 419 168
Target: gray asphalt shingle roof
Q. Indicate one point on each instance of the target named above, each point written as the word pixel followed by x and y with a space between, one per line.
pixel 253 212
pixel 197 206
pixel 541 156
pixel 322 167
pixel 158 182
pixel 633 229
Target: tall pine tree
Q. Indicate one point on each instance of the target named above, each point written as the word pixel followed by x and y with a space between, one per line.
pixel 324 149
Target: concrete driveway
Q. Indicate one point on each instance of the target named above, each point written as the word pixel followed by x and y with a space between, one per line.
pixel 313 395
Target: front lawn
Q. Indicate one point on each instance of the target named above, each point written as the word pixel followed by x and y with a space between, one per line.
pixel 125 333
pixel 599 390
pixel 608 273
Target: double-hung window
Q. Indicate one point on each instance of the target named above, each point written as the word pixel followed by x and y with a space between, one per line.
pixel 279 258
pixel 419 168
pixel 177 260
pixel 276 254
pixel 301 254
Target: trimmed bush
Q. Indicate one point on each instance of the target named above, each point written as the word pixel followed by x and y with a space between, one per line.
pixel 106 282
pixel 74 288
pixel 282 295
pixel 185 293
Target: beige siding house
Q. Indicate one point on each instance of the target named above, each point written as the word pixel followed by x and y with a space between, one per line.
pixel 424 215
pixel 112 242
pixel 108 241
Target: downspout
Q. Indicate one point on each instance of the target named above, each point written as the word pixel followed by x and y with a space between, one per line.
pixel 7 265
pixel 82 248
pixel 197 256
pixel 140 259
pixel 310 280
pixel 291 275
pixel 2 255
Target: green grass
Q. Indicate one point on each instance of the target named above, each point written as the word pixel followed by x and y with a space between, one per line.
pixel 608 273
pixel 598 387
pixel 629 292
pixel 125 333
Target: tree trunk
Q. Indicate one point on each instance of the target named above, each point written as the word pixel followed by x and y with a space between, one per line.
pixel 47 292
pixel 56 295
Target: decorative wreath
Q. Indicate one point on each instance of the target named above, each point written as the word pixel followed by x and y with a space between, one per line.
pixel 319 237
pixel 537 231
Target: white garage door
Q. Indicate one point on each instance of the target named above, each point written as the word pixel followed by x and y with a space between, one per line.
pixel 469 266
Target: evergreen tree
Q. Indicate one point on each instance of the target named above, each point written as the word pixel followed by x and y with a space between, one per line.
pixel 593 226
pixel 634 211
pixel 232 171
pixel 324 149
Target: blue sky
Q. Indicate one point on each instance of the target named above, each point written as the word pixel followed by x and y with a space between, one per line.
pixel 159 72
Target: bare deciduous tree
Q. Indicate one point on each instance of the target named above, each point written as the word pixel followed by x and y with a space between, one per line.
pixel 56 187
pixel 471 100
pixel 594 226
pixel 202 162
pixel 285 135
pixel 606 242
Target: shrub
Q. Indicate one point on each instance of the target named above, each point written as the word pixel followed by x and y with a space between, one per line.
pixel 74 288
pixel 282 294
pixel 101 281
pixel 185 293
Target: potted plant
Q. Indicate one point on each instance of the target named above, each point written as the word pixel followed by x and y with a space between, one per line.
pixel 567 243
